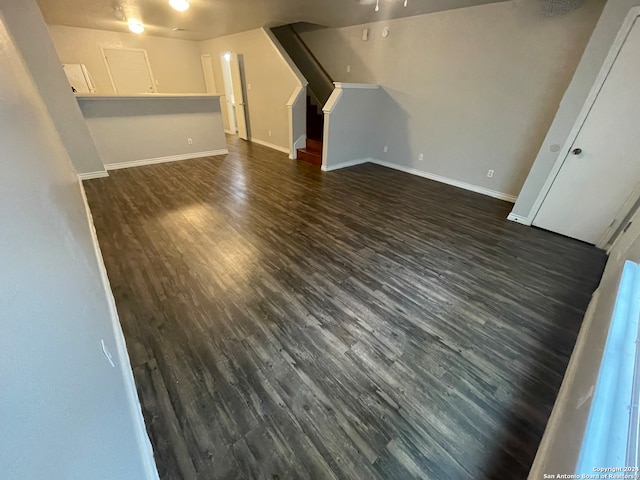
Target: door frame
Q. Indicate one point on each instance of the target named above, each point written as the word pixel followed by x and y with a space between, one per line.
pixel 605 70
pixel 106 63
pixel 213 76
pixel 228 90
pixel 240 95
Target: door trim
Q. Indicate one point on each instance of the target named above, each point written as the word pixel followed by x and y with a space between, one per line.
pixel 620 40
pixel 213 76
pixel 106 63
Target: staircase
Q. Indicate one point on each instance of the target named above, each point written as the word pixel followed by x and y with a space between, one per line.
pixel 315 126
pixel 312 153
pixel 320 88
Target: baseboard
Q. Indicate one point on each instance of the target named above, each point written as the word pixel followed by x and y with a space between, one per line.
pixel 350 163
pixel 519 219
pixel 448 181
pixel 270 145
pixel 301 142
pixel 122 354
pixel 92 175
pixel 229 132
pixel 172 158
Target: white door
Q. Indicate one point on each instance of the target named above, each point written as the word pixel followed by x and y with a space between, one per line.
pixel 207 69
pixel 79 78
pixel 228 91
pixel 603 167
pixel 237 81
pixel 129 70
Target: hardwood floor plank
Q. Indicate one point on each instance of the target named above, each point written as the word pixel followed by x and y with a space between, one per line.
pixel 286 323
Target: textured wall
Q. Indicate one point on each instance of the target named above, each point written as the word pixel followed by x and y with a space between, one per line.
pixel 473 89
pixel 66 412
pixel 175 63
pixel 272 83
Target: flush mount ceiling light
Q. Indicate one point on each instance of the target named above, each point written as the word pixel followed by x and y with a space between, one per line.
pixel 179 5
pixel 136 26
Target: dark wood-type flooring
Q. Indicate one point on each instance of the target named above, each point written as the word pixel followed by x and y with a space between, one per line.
pixel 285 323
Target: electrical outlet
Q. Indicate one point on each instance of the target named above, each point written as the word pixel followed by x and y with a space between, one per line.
pixel 348 68
pixel 269 132
pixel 190 141
pixel 386 149
pixel 490 173
pixel 421 157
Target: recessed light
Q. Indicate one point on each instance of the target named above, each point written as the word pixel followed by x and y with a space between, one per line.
pixel 136 26
pixel 179 5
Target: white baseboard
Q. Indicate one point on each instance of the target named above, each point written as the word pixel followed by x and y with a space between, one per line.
pixel 301 142
pixel 270 145
pixel 172 158
pixel 92 175
pixel 448 181
pixel 519 219
pixel 350 163
pixel 122 357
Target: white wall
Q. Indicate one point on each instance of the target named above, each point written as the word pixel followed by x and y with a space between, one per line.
pixel 26 25
pixel 352 126
pixel 65 412
pixel 473 89
pixel 297 106
pixel 143 129
pixel 572 102
pixel 175 63
pixel 272 83
pixel 562 440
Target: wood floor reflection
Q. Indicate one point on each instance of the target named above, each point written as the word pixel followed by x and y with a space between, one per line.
pixel 285 323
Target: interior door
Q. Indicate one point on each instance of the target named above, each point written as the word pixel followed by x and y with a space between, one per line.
pixel 603 167
pixel 237 79
pixel 129 70
pixel 207 69
pixel 229 101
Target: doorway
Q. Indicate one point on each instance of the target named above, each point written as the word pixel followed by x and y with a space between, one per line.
pixel 235 93
pixel 129 70
pixel 601 171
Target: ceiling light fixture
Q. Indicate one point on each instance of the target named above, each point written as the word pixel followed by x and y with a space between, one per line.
pixel 136 26
pixel 179 5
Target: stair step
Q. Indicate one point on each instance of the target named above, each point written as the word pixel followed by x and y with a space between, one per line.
pixel 314 145
pixel 309 156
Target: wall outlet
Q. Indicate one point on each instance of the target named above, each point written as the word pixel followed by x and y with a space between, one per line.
pixel 421 157
pixel 386 149
pixel 348 68
pixel 490 174
pixel 269 132
pixel 190 141
pixel 248 86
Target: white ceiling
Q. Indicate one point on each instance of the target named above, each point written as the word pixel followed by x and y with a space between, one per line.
pixel 213 18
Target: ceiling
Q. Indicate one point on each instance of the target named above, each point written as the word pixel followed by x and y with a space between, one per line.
pixel 213 18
